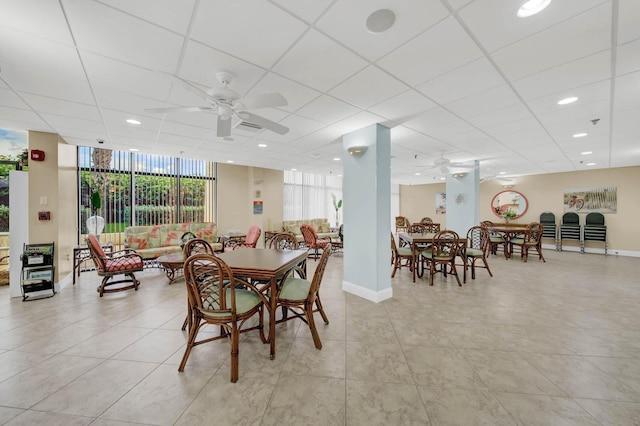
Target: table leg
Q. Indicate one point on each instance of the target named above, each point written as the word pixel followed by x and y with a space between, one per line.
pixel 272 316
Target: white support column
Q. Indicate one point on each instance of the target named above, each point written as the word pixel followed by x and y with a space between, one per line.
pixel 366 191
pixel 463 200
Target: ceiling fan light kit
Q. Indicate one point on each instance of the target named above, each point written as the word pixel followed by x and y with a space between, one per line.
pixel 226 103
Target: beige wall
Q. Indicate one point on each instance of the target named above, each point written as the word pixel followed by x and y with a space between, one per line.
pixel 545 193
pixel 55 179
pixel 236 188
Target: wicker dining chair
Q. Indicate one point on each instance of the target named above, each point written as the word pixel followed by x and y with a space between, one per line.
pixel 532 239
pixel 194 246
pixel 400 254
pixel 478 240
pixel 302 298
pixel 283 241
pixel 218 298
pixel 426 220
pixel 441 256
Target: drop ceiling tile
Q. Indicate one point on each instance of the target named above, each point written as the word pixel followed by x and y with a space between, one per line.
pixel 17 120
pixel 93 29
pixel 346 22
pixel 327 109
pixel 583 35
pixel 507 114
pixel 172 128
pixel 125 77
pixel 368 87
pixel 43 19
pixel 62 107
pixel 21 50
pixel 628 58
pixel 296 94
pixel 261 36
pixel 471 78
pixel 70 134
pixel 201 64
pixel 309 62
pixel 301 124
pixel 357 121
pixel 170 14
pixel 566 77
pixel 73 123
pixel 442 48
pixel 8 98
pixel 486 101
pixel 628 18
pixel 627 92
pixel 402 107
pixel 458 4
pixel 44 84
pixel 495 24
pixel 307 10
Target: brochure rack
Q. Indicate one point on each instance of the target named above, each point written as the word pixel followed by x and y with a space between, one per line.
pixel 38 271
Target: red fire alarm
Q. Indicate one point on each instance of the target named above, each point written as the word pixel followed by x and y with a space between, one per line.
pixel 44 215
pixel 37 155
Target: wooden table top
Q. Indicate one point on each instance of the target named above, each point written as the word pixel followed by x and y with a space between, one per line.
pixel 262 263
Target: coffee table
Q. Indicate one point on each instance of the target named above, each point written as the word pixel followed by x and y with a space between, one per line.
pixel 172 264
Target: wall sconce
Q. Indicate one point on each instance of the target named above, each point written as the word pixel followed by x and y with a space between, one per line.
pixel 357 151
pixel 507 186
pixel 459 175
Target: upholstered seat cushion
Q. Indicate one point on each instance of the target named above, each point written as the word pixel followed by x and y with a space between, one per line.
pixel 123 263
pixel 246 300
pixel 404 251
pixel 295 289
pixel 428 253
pixel 471 252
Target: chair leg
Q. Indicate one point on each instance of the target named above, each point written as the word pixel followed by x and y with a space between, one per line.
pixel 235 343
pixel 308 311
pixel 190 343
pixel 321 310
pixel 454 271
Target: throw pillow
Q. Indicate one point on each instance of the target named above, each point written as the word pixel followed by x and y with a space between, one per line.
pixel 295 229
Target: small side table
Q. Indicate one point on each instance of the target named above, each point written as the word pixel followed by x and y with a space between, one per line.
pixel 81 254
pixel 233 241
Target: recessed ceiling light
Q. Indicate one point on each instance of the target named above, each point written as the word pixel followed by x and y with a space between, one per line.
pixel 262 145
pixel 586 152
pixel 133 121
pixel 591 164
pixel 502 173
pixel 380 20
pixel 229 161
pixel 567 101
pixel 293 170
pixel 442 178
pixel 336 159
pixel 134 149
pixel 417 174
pixel 580 135
pixel 339 175
pixel 531 7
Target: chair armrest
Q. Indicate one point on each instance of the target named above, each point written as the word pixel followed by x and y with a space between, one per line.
pixel 122 253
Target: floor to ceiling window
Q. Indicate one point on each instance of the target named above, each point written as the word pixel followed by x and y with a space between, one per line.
pixel 309 196
pixel 142 189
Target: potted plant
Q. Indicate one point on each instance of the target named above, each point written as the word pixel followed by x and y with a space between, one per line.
pixel 95 223
pixel 509 214
pixel 336 205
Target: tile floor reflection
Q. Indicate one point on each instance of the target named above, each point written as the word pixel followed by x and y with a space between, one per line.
pixel 554 343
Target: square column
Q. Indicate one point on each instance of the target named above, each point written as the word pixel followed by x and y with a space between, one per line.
pixel 366 191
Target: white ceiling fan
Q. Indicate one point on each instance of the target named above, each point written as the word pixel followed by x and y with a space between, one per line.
pixel 228 104
pixel 444 164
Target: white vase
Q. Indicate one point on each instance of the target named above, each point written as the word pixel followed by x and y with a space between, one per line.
pixel 95 225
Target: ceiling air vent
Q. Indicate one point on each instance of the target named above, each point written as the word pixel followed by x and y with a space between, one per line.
pixel 249 127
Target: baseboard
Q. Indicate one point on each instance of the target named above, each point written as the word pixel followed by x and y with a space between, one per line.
pixel 366 293
pixel 596 250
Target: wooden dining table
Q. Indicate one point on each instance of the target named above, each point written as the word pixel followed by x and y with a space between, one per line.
pixel 508 232
pixel 425 240
pixel 264 265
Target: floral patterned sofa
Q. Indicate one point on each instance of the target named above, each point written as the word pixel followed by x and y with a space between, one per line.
pixel 321 226
pixel 156 240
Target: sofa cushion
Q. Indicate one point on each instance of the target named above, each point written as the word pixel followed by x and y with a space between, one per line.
pixel 208 231
pixel 138 241
pixel 323 227
pixel 295 229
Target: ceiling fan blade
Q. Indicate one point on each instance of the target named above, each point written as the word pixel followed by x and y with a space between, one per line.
pixel 223 127
pixel 180 109
pixel 263 122
pixel 263 101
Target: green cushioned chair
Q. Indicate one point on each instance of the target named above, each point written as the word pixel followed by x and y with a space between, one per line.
pixel 478 240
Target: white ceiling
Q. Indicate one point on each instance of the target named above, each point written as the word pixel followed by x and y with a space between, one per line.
pixel 463 78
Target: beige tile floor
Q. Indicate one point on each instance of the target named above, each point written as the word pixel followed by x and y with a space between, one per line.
pixel 554 343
